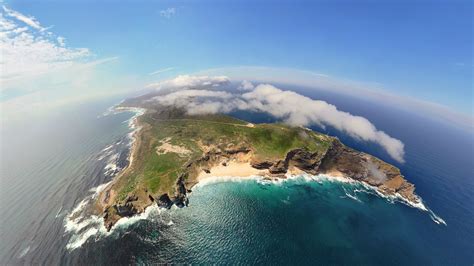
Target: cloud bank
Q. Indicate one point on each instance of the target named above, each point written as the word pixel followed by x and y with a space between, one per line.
pixel 185 82
pixel 200 95
pixel 373 91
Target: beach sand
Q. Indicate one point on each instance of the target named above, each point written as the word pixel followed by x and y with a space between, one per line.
pixel 234 169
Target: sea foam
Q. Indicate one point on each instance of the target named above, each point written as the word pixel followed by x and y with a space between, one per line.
pixel 83 226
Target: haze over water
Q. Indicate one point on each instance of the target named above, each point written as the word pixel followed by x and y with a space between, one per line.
pixel 50 168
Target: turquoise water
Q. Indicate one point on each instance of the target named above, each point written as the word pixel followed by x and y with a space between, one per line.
pixel 308 222
pixel 253 222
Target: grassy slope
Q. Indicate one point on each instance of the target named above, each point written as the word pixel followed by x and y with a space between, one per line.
pixel 158 173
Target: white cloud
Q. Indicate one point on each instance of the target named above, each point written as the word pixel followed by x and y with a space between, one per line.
pixel 198 101
pixel 168 13
pixel 246 86
pixel 159 71
pixel 190 82
pixel 28 20
pixel 61 41
pixel 6 25
pixel 29 51
pixel 288 106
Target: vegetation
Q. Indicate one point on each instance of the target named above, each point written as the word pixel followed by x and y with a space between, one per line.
pixel 158 171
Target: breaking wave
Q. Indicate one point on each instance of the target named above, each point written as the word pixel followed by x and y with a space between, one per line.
pixel 83 226
pixel 350 196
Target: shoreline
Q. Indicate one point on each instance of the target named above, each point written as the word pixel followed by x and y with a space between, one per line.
pixel 293 174
pixel 242 171
pixel 238 170
pixel 106 194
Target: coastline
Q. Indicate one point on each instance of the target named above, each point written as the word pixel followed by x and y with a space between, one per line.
pixel 105 193
pixel 85 220
pixel 243 170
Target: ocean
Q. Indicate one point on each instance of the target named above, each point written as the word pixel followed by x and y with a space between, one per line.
pixel 52 165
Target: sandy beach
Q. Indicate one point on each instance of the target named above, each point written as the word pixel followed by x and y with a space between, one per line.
pixel 234 169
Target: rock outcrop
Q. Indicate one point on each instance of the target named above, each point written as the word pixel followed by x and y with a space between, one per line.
pixel 366 168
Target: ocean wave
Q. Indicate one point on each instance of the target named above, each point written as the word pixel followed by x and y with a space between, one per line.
pixel 436 218
pixel 80 224
pixel 221 179
pixel 274 181
pixel 116 109
pixel 112 168
pixel 132 121
pixel 287 200
pixel 420 205
pixel 111 110
pixel 60 212
pixel 98 189
pixel 108 147
pixel 151 211
pixel 24 252
pixel 350 196
pixel 110 152
pixel 85 227
pixel 83 230
pixel 104 155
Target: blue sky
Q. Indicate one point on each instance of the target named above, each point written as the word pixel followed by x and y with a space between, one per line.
pixel 421 49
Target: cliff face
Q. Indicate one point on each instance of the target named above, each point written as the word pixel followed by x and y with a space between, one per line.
pixel 368 169
pixel 299 158
pixel 337 160
pixel 344 161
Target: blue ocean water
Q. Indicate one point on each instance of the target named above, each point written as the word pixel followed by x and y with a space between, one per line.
pixel 249 222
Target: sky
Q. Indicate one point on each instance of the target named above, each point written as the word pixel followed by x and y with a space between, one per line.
pixel 79 49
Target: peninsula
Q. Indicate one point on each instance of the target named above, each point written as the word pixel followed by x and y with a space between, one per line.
pixel 173 151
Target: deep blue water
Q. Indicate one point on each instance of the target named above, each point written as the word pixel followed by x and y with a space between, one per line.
pixel 250 222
